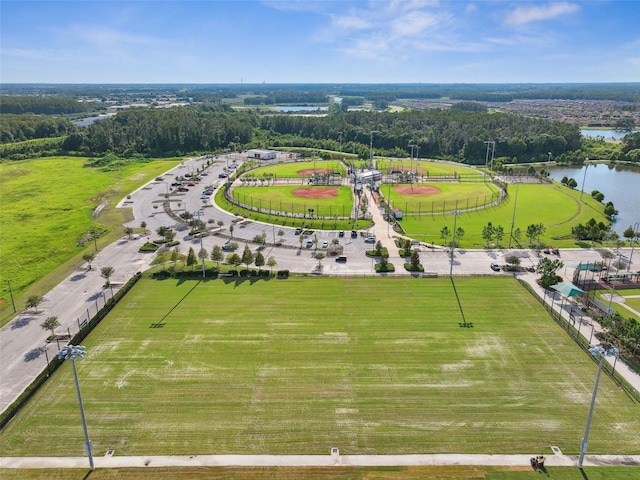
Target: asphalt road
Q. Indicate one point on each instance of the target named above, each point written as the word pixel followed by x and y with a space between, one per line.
pixel 23 346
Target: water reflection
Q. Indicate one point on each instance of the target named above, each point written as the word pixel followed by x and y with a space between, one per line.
pixel 620 184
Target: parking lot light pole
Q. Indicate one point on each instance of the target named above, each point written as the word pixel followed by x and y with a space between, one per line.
pixel 603 350
pixel 71 352
pixel 371 149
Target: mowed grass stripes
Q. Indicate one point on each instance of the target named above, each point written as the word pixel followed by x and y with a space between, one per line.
pixel 298 366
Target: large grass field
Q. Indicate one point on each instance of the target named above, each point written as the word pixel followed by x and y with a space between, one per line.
pixel 368 365
pixel 47 207
pixel 283 199
pixel 459 472
pixel 449 197
pixel 557 207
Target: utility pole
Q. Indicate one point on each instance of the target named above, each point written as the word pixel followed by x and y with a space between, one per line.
pixel 13 303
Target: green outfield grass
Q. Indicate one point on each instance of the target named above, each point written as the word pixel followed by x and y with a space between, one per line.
pixel 459 472
pixel 292 169
pixel 425 167
pixel 288 221
pixel 557 207
pixel 369 365
pixel 46 208
pixel 451 196
pixel 282 199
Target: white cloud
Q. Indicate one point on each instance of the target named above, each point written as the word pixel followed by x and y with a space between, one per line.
pixel 534 13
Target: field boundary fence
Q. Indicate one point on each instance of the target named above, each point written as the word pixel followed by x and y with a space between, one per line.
pixel 575 333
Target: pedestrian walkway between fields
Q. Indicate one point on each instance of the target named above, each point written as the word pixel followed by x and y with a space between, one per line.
pixel 330 460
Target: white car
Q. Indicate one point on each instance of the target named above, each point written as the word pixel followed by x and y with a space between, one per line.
pixel 370 239
pixel 325 244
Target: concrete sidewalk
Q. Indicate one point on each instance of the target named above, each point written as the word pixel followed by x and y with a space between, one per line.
pixel 332 460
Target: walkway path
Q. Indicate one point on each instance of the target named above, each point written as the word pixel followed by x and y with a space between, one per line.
pixel 332 460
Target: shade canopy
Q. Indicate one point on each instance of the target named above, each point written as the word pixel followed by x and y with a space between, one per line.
pixel 568 289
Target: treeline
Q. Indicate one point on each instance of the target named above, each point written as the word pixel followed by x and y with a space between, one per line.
pixel 163 132
pixel 628 92
pixel 46 105
pixel 445 134
pixel 18 128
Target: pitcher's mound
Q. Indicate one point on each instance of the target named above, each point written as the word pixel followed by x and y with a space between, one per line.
pixel 417 190
pixel 316 192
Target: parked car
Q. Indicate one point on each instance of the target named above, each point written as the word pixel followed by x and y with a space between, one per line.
pixel 191 184
pixel 222 175
pixel 341 259
pixel 159 179
pixel 370 239
pixel 183 189
pixel 309 243
pixel 495 267
pixel 341 233
pixel 298 231
pixel 325 244
pixel 354 234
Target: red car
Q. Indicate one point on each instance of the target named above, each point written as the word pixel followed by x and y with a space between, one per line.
pixel 183 189
pixel 191 184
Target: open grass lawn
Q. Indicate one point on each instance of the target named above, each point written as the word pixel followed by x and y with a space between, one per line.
pixel 283 199
pixel 333 473
pixel 47 207
pixel 450 197
pixel 292 169
pixel 369 365
pixel 557 207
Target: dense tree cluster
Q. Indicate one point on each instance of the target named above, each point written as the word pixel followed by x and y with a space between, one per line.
pixel 46 105
pixel 17 128
pixel 456 135
pixel 159 132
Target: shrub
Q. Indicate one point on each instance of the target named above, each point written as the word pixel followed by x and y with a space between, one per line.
pixel 413 268
pixel 283 274
pixel 148 247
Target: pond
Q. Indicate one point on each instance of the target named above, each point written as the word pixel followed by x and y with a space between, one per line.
pixel 620 184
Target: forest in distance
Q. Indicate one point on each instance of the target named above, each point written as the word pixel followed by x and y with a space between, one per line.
pixel 37 120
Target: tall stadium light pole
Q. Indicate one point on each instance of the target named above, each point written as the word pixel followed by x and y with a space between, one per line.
pixel 340 133
pixel 412 145
pixel 486 158
pixel 197 213
pixel 71 352
pixel 455 214
pixel 584 178
pixel 513 217
pixel 603 350
pixel 633 244
pixel 371 148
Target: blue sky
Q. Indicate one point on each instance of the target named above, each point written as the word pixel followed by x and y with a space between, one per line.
pixel 331 41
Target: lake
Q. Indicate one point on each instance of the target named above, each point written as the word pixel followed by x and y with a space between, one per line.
pixel 620 184
pixel 607 134
pixel 294 108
